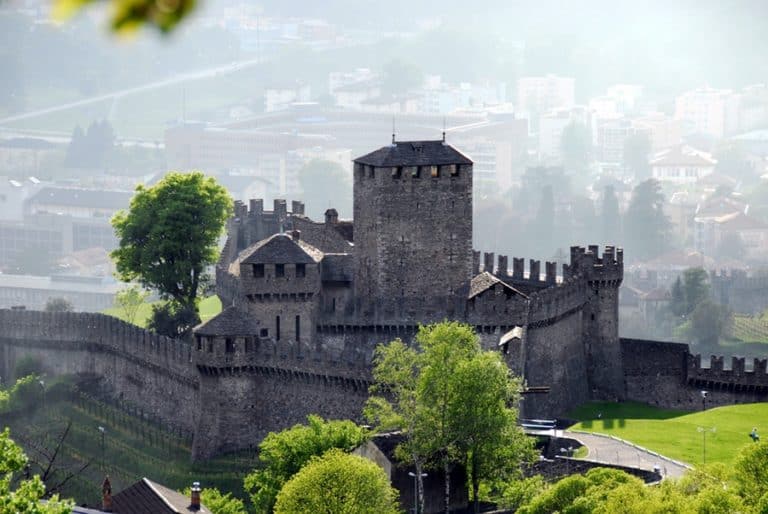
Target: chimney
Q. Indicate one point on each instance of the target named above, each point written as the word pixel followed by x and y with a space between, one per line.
pixel 331 216
pixel 296 234
pixel 106 495
pixel 194 500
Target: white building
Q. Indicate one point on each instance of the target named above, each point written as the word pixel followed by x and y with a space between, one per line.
pixel 663 131
pixel 709 111
pixel 682 165
pixel 611 137
pixel 537 95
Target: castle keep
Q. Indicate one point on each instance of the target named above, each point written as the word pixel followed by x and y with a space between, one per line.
pixel 306 302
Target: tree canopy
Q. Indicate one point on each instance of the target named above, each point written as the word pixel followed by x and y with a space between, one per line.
pixel 169 235
pixel 646 226
pixel 453 402
pixel 23 496
pixel 338 483
pixel 283 454
pixel 637 149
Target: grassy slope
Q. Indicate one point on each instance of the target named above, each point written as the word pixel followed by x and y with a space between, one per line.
pixel 675 433
pixel 209 307
pixel 133 448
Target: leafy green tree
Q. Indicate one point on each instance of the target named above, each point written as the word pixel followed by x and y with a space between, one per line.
pixel 646 227
pixel 218 502
pixel 58 304
pixel 172 319
pixel 282 455
pixel 169 236
pixel 129 300
pixel 451 400
pixel 611 217
pixel 678 305
pixel 637 149
pixel 325 184
pixel 751 472
pixel 338 483
pixel 708 322
pixel 23 496
pixel 576 147
pixel 696 287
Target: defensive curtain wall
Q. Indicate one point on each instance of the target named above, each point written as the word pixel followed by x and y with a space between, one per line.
pixel 230 393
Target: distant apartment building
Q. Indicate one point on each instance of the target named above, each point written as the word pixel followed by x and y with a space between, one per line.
pixel 354 96
pixel 439 97
pixel 663 130
pixel 538 95
pixel 708 111
pixel 550 132
pixel 24 154
pixel 339 79
pixel 682 165
pixel 90 294
pixel 619 100
pixel 725 220
pixel 611 137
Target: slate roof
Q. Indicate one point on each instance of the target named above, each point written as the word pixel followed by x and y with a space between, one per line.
pixel 484 281
pixel 280 249
pixel 146 496
pixel 73 197
pixel 232 321
pixel 414 153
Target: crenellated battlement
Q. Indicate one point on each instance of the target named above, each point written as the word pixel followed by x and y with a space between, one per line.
pixel 596 268
pixel 738 374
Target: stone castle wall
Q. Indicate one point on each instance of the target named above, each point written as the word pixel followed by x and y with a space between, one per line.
pixel 152 373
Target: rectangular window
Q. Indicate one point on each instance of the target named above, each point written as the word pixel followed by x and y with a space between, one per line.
pixel 434 171
pixel 412 171
pixel 397 172
pixel 301 270
pixel 298 327
pixel 370 171
pixel 451 169
pixel 264 332
pixel 229 345
pixel 279 270
pixel 258 270
pixel 416 173
pixel 277 328
pixel 333 305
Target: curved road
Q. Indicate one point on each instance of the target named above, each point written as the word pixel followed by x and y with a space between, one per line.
pixel 611 450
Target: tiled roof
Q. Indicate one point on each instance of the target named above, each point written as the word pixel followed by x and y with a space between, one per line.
pixel 682 156
pixel 72 197
pixel 280 249
pixel 740 221
pixel 414 153
pixel 484 281
pixel 229 322
pixel 145 497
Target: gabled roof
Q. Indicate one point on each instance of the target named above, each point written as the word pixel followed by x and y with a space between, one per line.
pixel 740 221
pixel 485 281
pixel 146 496
pixel 414 153
pixel 280 249
pixel 229 322
pixel 682 156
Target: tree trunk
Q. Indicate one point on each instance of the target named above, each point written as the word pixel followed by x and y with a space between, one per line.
pixel 419 486
pixel 447 473
pixel 475 485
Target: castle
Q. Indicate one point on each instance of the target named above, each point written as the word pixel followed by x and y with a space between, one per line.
pixel 306 303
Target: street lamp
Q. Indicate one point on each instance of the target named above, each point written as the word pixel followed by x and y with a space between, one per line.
pixel 703 400
pixel 416 489
pixel 42 389
pixel 703 431
pixel 103 432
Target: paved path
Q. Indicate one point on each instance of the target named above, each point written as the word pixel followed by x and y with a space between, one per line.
pixel 613 450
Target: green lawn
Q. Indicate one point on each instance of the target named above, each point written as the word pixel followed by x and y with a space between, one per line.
pixel 675 434
pixel 209 307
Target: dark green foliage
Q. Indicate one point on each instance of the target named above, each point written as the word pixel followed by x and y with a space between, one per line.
pixel 283 454
pixel 637 150
pixel 92 149
pixel 646 227
pixel 218 502
pixel 399 77
pixel 708 322
pixel 173 319
pixel 58 304
pixel 678 305
pixel 696 287
pixel 28 365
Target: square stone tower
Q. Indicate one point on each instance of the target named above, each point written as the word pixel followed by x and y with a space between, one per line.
pixel 413 230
